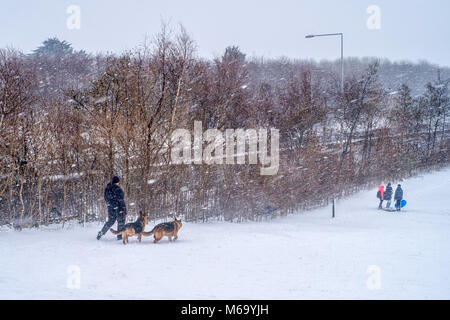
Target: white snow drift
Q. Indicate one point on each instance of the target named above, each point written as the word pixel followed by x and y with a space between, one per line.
pixel 362 254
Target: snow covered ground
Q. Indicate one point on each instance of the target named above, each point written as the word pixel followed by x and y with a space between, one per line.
pixel 362 254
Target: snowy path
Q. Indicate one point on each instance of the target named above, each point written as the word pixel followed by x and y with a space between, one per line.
pixel 302 256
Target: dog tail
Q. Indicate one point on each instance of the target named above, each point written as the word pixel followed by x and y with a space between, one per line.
pixel 147 234
pixel 114 231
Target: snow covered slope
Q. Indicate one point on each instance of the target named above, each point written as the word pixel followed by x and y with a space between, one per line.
pixel 362 254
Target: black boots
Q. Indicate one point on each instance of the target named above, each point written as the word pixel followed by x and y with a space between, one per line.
pixel 100 234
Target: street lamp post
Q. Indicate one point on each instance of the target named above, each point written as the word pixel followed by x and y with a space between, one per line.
pixel 342 51
pixel 342 76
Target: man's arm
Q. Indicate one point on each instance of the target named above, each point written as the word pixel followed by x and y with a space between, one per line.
pixel 121 200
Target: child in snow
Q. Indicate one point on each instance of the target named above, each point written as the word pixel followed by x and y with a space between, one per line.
pixel 398 197
pixel 388 195
pixel 380 195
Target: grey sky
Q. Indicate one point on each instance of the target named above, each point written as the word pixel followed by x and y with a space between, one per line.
pixel 410 29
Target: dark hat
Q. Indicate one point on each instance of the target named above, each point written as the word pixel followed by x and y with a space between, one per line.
pixel 115 179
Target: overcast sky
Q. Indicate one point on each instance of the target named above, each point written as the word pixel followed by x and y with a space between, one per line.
pixel 409 29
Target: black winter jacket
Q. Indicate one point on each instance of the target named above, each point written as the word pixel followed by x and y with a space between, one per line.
pixel 388 193
pixel 114 197
pixel 398 194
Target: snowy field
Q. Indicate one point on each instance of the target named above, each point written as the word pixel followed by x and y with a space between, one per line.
pixel 362 254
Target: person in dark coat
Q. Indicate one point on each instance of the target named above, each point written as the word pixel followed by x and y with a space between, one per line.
pixel 398 196
pixel 117 209
pixel 388 195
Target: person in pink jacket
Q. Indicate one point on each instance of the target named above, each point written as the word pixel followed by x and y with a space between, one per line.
pixel 380 195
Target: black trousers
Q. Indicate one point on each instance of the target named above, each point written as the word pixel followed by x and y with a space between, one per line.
pixel 113 215
pixel 381 204
pixel 399 202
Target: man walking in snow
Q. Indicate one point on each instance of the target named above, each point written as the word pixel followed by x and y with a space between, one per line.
pixel 380 195
pixel 116 207
pixel 388 195
pixel 398 197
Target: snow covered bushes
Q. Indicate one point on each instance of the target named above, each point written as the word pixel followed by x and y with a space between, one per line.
pixel 69 121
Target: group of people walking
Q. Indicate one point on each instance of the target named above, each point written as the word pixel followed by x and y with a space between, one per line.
pixel 383 194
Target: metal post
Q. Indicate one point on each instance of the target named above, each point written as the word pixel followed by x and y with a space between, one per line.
pixel 342 80
pixel 342 63
pixel 342 51
pixel 333 215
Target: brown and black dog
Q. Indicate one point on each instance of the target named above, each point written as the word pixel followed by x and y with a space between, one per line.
pixel 134 228
pixel 169 229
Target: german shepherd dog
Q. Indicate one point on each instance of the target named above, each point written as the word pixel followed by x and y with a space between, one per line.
pixel 133 229
pixel 169 229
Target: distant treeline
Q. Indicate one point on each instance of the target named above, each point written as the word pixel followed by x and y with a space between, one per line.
pixel 69 121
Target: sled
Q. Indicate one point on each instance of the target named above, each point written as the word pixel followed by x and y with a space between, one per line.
pixel 402 204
